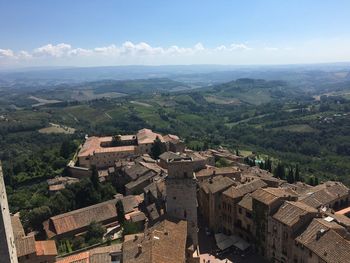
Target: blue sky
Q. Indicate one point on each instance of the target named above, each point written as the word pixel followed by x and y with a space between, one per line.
pixel 110 32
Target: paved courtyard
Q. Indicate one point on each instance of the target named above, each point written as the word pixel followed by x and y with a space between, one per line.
pixel 207 248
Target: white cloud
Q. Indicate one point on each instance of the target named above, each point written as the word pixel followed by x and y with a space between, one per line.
pixel 143 53
pixel 233 47
pixel 50 50
pixel 7 53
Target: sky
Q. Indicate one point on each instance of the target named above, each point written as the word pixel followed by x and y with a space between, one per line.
pixel 159 32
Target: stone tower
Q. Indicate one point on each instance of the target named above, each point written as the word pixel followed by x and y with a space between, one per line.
pixel 181 191
pixel 8 252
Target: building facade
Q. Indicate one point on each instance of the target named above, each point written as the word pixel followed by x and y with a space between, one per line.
pixel 181 193
pixel 7 241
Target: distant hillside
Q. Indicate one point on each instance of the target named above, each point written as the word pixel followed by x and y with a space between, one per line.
pixel 251 91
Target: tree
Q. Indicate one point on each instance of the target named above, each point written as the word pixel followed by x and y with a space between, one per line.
pixel 130 228
pixel 94 178
pixel 280 171
pixel 290 176
pixel 158 148
pixel 311 181
pixel 316 181
pixel 120 212
pixel 37 216
pixel 78 242
pixel 67 147
pixel 59 203
pixel 237 152
pixel 94 233
pixel 297 175
pixel 268 165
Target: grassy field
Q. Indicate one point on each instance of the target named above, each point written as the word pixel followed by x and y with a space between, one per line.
pixel 296 128
pixel 56 128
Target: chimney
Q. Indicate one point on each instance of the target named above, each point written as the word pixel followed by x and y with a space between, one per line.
pixel 320 233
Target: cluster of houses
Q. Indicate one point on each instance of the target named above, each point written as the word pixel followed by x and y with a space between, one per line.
pixel 243 207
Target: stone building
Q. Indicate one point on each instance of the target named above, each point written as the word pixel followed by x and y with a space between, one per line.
pixel 105 254
pixel 232 172
pixel 102 152
pixel 284 226
pixel 181 191
pixel 236 219
pixel 164 242
pixel 7 241
pixel 28 249
pixel 77 221
pixel 210 200
pixel 266 202
pixel 323 241
pixel 334 195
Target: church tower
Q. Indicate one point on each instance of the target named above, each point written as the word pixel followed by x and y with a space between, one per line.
pixel 181 191
pixel 8 252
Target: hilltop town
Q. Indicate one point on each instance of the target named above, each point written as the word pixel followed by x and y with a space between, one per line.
pixel 174 204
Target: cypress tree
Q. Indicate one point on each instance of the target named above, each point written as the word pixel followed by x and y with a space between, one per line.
pixel 297 175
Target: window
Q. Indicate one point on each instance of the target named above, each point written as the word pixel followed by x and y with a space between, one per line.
pixel 248 214
pixel 240 210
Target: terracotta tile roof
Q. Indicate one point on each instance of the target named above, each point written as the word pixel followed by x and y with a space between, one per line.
pixel 140 180
pixel 170 155
pixel 93 144
pixel 83 257
pixel 340 219
pixel 82 217
pixel 291 212
pixel 171 138
pixel 17 226
pixel 343 211
pixel 46 248
pixel 158 245
pixel 130 203
pixel 25 245
pixel 326 241
pixel 298 187
pixel 270 195
pixel 136 171
pixel 216 184
pixel 146 136
pixel 242 189
pixel 324 194
pixel 216 171
pixel 247 202
pixel 95 255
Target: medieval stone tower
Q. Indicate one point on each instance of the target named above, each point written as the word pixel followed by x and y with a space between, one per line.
pixel 8 252
pixel 181 194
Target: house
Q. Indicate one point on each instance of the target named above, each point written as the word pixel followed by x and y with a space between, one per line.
pixel 284 226
pixel 333 195
pixel 102 152
pixel 164 242
pixel 210 199
pixel 323 241
pixel 58 183
pixel 237 219
pixel 77 221
pixel 232 172
pixel 28 249
pixel 106 254
pixel 266 202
